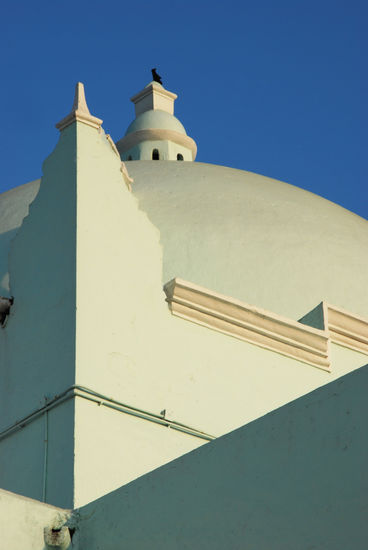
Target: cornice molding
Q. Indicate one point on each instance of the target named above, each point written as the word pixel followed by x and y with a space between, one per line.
pixel 154 96
pixel 153 87
pixel 307 340
pixel 251 324
pixel 156 134
pixel 345 328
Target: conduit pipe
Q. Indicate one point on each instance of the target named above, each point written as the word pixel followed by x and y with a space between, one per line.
pixel 46 449
pixel 100 399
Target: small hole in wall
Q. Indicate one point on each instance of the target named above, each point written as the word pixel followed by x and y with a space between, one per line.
pixel 130 157
pixel 155 155
pixel 179 156
pixel 5 306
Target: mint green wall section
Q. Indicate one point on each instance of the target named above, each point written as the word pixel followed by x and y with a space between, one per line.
pixel 38 460
pixel 134 153
pixel 38 340
pixel 294 478
pixel 22 460
pixel 60 477
pixel 314 318
pixel 22 521
pixel 13 208
pixel 37 346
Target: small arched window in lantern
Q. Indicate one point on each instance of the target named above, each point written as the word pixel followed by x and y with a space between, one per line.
pixel 155 155
pixel 179 156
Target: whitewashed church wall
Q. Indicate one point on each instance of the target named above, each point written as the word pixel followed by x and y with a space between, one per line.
pixel 291 479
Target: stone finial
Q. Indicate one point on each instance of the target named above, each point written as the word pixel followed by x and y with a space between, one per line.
pixel 80 111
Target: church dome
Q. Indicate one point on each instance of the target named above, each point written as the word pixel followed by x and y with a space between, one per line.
pixel 156 119
pixel 256 239
pixel 259 240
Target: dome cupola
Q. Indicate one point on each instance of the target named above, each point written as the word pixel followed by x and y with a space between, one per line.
pixel 156 134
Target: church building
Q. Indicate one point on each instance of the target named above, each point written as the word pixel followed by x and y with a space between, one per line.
pixel 183 350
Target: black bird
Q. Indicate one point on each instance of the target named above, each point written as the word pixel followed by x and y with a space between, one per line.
pixel 5 304
pixel 156 77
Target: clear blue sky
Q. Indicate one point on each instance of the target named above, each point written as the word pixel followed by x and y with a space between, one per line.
pixel 270 86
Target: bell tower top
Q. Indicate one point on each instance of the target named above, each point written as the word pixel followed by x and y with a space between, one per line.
pixel 153 97
pixel 155 133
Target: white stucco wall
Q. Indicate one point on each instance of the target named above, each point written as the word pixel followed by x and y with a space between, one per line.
pixel 37 346
pixel 168 150
pixel 122 326
pixel 201 387
pixel 38 460
pixel 22 521
pixel 294 478
pixel 113 448
pixel 129 347
pixel 86 274
pixel 14 206
pixel 291 479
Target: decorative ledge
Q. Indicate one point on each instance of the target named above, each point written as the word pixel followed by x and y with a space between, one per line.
pixel 154 96
pixel 257 326
pixel 347 329
pixel 343 327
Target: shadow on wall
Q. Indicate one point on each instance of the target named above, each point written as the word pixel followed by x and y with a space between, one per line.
pixel 5 240
pixel 295 478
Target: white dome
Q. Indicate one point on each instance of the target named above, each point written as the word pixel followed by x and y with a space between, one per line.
pixel 256 239
pixel 156 119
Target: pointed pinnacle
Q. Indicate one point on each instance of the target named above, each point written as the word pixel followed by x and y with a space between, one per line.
pixel 80 111
pixel 80 103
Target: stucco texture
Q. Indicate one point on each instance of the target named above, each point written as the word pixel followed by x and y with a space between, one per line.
pixel 22 522
pixel 90 309
pixel 13 208
pixel 294 478
pixel 155 118
pixel 259 240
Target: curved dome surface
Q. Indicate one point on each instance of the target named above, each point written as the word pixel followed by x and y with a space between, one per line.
pixel 256 239
pixel 156 118
pixel 13 208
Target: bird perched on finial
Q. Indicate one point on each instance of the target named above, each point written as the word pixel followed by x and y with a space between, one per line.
pixel 156 77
